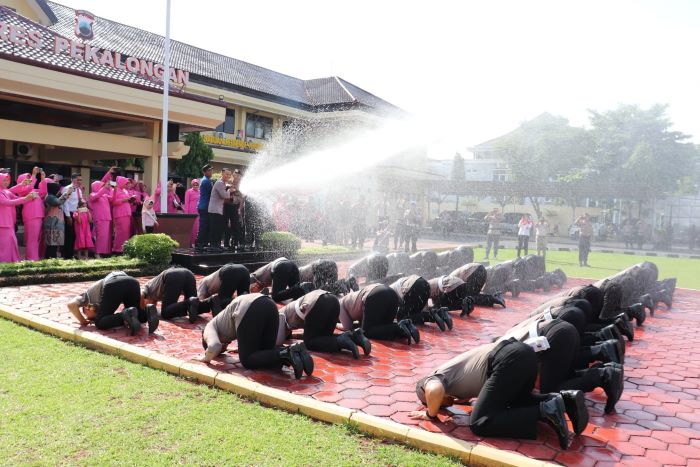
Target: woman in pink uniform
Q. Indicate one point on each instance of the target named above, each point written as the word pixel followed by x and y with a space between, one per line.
pixel 191 200
pixel 9 253
pixel 99 204
pixel 33 212
pixel 121 214
pixel 174 203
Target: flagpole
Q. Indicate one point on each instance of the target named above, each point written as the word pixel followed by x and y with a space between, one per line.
pixel 164 136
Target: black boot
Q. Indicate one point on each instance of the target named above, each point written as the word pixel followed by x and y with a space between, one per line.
pixel 624 326
pixel 613 379
pixel 131 320
pixel 359 338
pixel 307 362
pixel 552 411
pixel 515 287
pixel 647 302
pixel 607 333
pixel 637 313
pixel 576 409
pixel 409 330
pixel 193 309
pixel 467 306
pixel 560 277
pixel 433 315
pixel 345 341
pixel 293 360
pixel 497 299
pixel 444 313
pixel 608 351
pixel 665 297
pixel 152 318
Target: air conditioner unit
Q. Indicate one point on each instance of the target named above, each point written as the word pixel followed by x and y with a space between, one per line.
pixel 24 149
pixel 220 135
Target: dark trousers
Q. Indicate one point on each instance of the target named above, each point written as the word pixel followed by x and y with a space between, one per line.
pixel 523 242
pixel 203 233
pixel 51 251
pixel 234 278
pixel 149 229
pixel 414 301
pixel 319 325
pixel 216 229
pixel 233 232
pixel 492 240
pixel 257 335
pixel 410 236
pixel 379 314
pixel 476 281
pixel 506 406
pixel 357 235
pixel 584 248
pixel 175 283
pixel 285 276
pixel 69 238
pixel 118 290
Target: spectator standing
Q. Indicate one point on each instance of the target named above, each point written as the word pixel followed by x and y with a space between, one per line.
pixel 643 233
pixel 33 212
pixel 541 233
pixel 138 190
pixel 412 221
pixel 358 211
pixel 219 194
pixel 149 218
pixel 524 229
pixel 584 239
pixel 628 234
pixel 99 204
pixel 121 214
pixel 82 220
pixel 191 203
pixel 9 253
pixel 205 186
pixel 493 234
pixel 75 193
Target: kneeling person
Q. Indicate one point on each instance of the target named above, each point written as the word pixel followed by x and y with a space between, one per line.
pixel 282 275
pixel 216 290
pixel 101 301
pixel 167 287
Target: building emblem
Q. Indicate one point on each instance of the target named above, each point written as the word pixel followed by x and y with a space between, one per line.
pixel 83 24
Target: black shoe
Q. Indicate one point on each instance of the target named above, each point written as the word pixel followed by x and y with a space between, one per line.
pixel 131 320
pixel 648 303
pixel 515 288
pixel 637 313
pixel 292 359
pixel 552 411
pixel 359 338
pixel 152 318
pixel 444 313
pixel 409 331
pixel 215 304
pixel 613 379
pixel 193 309
pixel 609 351
pixel 624 326
pixel 576 409
pixel 307 360
pixel 666 298
pixel 499 300
pixel 345 341
pixel 352 284
pixel 435 316
pixel 467 306
pixel 609 332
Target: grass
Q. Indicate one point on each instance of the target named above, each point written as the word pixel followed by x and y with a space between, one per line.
pixel 63 404
pixel 686 270
pixel 68 265
pixel 324 250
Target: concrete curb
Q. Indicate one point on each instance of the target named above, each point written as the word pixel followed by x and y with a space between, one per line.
pixel 468 453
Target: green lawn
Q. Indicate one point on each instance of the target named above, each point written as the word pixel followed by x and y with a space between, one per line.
pixel 64 404
pixel 604 264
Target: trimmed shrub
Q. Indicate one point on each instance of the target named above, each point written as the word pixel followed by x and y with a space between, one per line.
pixel 60 266
pixel 284 242
pixel 152 248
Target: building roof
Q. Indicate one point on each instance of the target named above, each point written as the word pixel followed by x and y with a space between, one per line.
pixel 225 72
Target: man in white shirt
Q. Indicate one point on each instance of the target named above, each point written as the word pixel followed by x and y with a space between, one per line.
pixel 77 193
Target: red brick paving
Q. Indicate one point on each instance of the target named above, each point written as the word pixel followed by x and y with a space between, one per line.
pixel 658 421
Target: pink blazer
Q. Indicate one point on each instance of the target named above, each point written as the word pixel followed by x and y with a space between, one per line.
pixel 121 208
pixel 191 200
pixel 8 202
pixel 99 201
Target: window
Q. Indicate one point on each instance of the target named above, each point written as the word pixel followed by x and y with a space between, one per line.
pixel 257 126
pixel 227 125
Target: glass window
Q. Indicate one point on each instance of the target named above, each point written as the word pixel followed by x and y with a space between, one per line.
pixel 257 126
pixel 227 125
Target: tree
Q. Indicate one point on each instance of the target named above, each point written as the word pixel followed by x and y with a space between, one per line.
pixel 542 150
pixel 637 145
pixel 457 174
pixel 200 154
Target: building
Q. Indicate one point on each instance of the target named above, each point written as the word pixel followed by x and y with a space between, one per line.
pixel 76 90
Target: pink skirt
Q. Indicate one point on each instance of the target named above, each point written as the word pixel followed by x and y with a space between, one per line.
pixel 103 237
pixel 9 253
pixel 32 238
pixel 122 229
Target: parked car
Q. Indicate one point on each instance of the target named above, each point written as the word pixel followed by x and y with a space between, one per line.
pixel 510 222
pixel 450 221
pixel 476 223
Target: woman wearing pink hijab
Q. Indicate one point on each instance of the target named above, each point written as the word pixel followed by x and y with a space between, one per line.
pixel 174 203
pixel 9 253
pixel 191 200
pixel 33 212
pixel 99 204
pixel 121 214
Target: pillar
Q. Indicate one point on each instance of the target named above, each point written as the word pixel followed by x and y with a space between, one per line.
pixel 151 166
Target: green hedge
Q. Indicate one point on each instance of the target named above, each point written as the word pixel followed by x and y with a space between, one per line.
pixel 151 248
pixel 49 266
pixel 284 242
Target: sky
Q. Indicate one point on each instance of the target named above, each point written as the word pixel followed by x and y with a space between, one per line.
pixel 471 70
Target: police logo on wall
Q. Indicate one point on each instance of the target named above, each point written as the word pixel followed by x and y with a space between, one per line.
pixel 83 24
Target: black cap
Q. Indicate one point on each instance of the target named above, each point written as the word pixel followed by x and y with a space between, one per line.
pixel 207 167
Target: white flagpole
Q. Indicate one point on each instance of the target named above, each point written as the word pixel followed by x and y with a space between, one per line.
pixel 164 136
